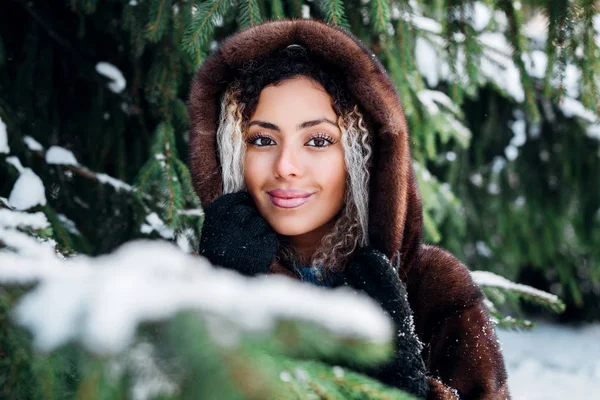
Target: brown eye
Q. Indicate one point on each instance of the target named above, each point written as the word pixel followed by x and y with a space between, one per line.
pixel 320 141
pixel 261 141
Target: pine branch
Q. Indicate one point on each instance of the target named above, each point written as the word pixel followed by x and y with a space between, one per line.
pixel 334 13
pixel 84 172
pixel 516 39
pixel 248 13
pixel 159 19
pixel 277 11
pixel 589 66
pixel 452 30
pixel 380 15
pixel 559 15
pixel 202 27
pixel 489 280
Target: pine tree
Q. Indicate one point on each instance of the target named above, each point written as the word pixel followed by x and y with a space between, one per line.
pixel 502 102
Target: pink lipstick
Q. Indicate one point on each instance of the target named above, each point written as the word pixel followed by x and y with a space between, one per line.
pixel 290 198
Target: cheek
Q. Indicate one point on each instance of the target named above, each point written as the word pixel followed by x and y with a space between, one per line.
pixel 256 171
pixel 331 175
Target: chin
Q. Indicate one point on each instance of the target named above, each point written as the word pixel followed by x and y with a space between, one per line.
pixel 291 226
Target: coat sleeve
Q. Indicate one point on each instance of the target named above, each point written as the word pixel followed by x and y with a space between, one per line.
pixel 460 345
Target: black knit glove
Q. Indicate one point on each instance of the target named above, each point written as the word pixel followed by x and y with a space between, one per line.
pixel 372 272
pixel 236 236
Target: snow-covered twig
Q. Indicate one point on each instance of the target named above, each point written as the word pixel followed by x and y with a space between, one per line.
pixel 101 301
pixel 490 280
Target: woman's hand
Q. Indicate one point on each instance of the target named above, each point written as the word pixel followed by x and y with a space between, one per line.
pixel 236 236
pixel 372 272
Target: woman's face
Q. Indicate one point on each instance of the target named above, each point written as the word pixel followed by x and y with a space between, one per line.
pixel 294 166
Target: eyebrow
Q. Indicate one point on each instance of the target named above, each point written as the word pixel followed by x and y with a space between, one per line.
pixel 304 125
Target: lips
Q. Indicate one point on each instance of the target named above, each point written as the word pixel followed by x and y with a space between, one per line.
pixel 289 198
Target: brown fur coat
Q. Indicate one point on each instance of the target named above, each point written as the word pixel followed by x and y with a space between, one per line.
pixel 460 343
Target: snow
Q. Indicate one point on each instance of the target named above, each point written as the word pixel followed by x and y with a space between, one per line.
pixel 520 201
pixel 60 156
pixel 32 144
pixel 552 362
pixel 482 15
pixel 463 134
pixel 518 128
pixel 184 240
pixel 573 108
pixel 69 224
pixel 498 164
pixel 14 219
pixel 305 11
pixel 485 278
pixel 496 41
pixel 28 191
pixel 427 24
pixel 431 97
pixel 535 63
pixel 427 61
pixel 149 380
pixel 285 376
pixel 536 29
pixel 114 182
pixel 593 131
pixel 194 212
pixel 338 371
pixel 24 245
pixel 511 152
pixel 483 249
pixel 15 162
pixel 154 223
pixel 502 71
pixel 476 179
pixel 113 73
pixel 3 138
pixel 572 80
pixel 493 188
pixel 99 302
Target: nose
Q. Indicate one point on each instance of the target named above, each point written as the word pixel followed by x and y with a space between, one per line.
pixel 287 163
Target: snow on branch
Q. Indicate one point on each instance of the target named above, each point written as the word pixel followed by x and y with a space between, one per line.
pixel 3 138
pixel 114 74
pixel 28 191
pixel 487 279
pixel 60 156
pixel 13 219
pixel 100 301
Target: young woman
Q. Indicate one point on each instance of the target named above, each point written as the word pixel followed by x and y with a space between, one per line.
pixel 299 152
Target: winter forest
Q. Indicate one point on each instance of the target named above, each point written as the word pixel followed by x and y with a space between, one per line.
pixel 102 292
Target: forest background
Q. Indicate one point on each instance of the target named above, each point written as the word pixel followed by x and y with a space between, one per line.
pixel 501 98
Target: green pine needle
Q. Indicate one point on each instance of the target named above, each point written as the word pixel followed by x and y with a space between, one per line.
pixel 159 17
pixel 380 15
pixel 199 33
pixel 334 13
pixel 277 11
pixel 248 13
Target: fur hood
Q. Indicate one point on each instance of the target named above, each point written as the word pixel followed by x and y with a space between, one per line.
pixel 460 346
pixel 394 206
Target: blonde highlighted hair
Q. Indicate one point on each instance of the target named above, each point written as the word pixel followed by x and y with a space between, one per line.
pixel 351 226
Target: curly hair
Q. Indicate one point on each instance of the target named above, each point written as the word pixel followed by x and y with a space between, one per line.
pixel 240 100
